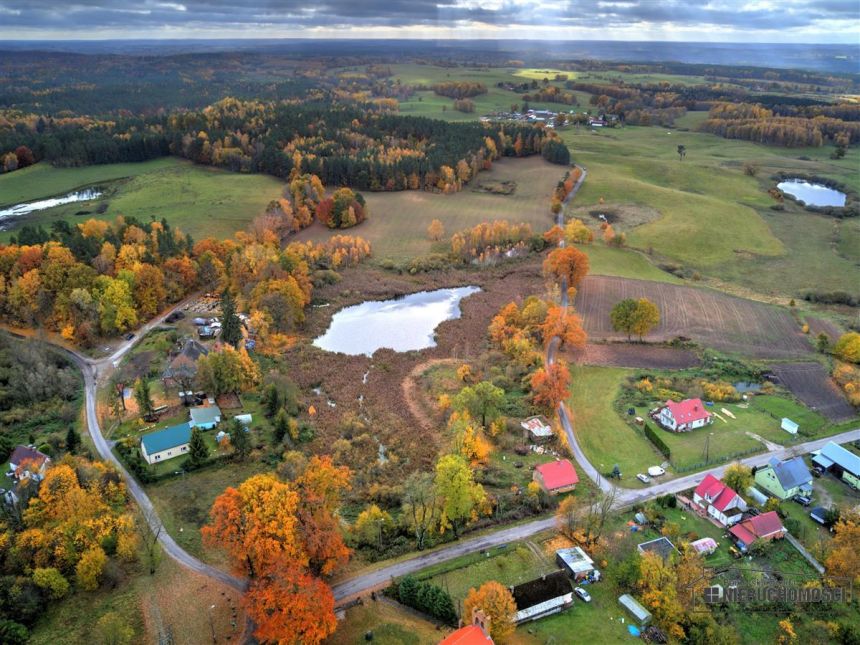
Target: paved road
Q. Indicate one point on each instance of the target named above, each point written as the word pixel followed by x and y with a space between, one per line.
pixel 91 369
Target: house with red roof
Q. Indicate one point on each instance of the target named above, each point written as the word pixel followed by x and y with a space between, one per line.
pixel 556 476
pixel 687 415
pixel 721 502
pixel 27 462
pixel 766 526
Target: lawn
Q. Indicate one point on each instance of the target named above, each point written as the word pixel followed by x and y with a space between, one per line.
pixel 389 623
pixel 201 201
pixel 183 502
pixel 398 221
pixel 624 263
pixel 603 435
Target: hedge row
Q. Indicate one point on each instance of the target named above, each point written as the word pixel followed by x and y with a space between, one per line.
pixel 425 597
pixel 658 442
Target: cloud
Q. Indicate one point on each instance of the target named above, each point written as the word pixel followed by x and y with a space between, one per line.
pixel 561 19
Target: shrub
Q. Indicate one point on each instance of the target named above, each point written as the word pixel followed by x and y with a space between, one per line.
pixel 426 597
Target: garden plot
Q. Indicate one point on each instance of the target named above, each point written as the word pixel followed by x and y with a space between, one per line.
pixel 810 383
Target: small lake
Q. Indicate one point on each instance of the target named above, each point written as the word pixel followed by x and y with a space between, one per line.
pixel 18 210
pixel 812 194
pixel 402 324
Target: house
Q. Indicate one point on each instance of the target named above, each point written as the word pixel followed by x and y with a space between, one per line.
pixel 687 415
pixel 843 463
pixel 576 562
pixel 537 429
pixel 556 476
pixel 477 633
pixel 662 546
pixel 205 417
pixel 26 462
pixel 785 479
pixel 183 367
pixel 789 426
pixel 165 444
pixel 642 615
pixel 544 596
pixel 721 502
pixel 766 526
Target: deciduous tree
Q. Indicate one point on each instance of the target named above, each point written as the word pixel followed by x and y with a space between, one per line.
pixel 482 401
pixel 498 605
pixel 460 497
pixel 567 263
pixel 550 384
pixel 436 230
pixel 420 506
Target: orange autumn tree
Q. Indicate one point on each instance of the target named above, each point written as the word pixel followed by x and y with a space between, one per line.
pixel 256 525
pixel 321 487
pixel 550 385
pixel 281 535
pixel 568 263
pixel 564 324
pixel 498 605
pixel 289 605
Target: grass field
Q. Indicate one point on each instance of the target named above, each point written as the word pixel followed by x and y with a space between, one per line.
pixel 183 503
pixel 201 201
pixel 397 225
pixel 606 439
pixel 389 623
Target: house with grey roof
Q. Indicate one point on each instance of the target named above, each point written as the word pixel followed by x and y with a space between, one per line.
pixel 182 368
pixel 205 417
pixel 785 479
pixel 839 461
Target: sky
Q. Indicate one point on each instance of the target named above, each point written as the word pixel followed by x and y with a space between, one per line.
pixel 771 21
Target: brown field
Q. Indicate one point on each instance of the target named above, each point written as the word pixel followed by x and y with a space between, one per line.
pixel 633 355
pixel 384 409
pixel 707 317
pixel 398 221
pixel 823 326
pixel 810 383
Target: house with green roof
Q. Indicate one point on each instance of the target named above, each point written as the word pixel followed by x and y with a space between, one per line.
pixel 162 445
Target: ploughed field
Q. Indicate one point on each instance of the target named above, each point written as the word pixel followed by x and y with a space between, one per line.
pixel 707 317
pixel 630 355
pixel 810 383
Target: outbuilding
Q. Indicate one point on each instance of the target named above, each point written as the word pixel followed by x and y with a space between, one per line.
pixel 842 463
pixel 642 615
pixel 537 429
pixel 205 417
pixel 576 562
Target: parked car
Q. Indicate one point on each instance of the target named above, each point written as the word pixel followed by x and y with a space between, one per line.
pixel 803 500
pixel 817 471
pixel 752 511
pixel 582 593
pixel 645 479
pixel 819 514
pixel 656 471
pixel 129 336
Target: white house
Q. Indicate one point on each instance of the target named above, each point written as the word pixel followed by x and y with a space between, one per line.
pixel 166 444
pixel 687 415
pixel 721 502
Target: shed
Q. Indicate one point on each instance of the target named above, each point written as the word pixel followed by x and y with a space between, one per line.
pixel 538 429
pixel 789 426
pixel 244 419
pixel 642 615
pixel 575 561
pixel 205 417
pixel 541 597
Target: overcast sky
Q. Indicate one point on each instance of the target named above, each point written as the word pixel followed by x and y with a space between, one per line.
pixel 810 21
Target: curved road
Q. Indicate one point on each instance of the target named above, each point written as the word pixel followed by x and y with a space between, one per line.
pixel 91 369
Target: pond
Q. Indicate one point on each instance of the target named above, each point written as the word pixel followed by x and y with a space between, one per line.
pixel 812 194
pixel 17 210
pixel 402 324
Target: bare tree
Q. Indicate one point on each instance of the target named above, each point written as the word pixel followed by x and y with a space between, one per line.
pixel 149 528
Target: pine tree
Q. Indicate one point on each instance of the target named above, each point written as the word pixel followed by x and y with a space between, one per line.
pixel 198 453
pixel 281 425
pixel 231 326
pixel 240 440
pixel 73 440
pixel 143 397
pixel 271 401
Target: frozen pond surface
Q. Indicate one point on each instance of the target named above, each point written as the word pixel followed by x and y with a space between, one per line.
pixel 812 194
pixel 31 207
pixel 401 324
